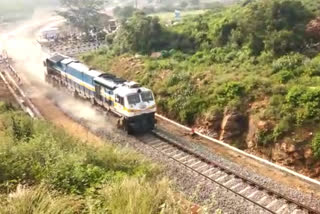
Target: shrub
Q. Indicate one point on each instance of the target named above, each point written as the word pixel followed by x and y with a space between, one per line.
pixel 39 200
pixel 313 67
pixel 282 127
pixel 284 76
pixel 288 62
pixel 229 91
pixel 49 155
pixel 316 145
pixel 139 196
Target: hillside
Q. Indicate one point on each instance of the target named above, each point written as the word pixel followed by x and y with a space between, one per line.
pixel 45 170
pixel 248 75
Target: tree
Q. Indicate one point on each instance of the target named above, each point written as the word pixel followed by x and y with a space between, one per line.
pixel 83 14
pixel 124 12
pixel 140 33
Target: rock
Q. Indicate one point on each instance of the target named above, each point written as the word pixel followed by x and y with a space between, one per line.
pixel 315 173
pixel 297 156
pixel 252 138
pixel 278 155
pixel 287 147
pixel 291 148
pixel 288 161
pixel 308 154
pixel 156 55
pixel 233 125
pixel 251 144
pixel 262 125
pixel 284 146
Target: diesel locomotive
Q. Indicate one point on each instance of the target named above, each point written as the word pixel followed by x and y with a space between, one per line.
pixel 134 105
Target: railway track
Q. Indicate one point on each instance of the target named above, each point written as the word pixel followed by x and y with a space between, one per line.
pixel 11 79
pixel 269 200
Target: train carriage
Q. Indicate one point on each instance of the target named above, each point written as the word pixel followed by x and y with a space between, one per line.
pixel 134 105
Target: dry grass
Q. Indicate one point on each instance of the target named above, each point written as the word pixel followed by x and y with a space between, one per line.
pixel 38 200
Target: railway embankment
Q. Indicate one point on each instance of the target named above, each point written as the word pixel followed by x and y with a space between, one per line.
pixel 242 75
pixel 45 169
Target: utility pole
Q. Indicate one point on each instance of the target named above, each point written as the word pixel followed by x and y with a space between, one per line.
pixel 136 4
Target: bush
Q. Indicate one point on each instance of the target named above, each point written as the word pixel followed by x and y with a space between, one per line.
pixel 288 63
pixel 65 175
pixel 316 146
pixel 313 67
pixel 39 200
pixel 38 152
pixel 139 196
pixel 229 91
pixel 284 76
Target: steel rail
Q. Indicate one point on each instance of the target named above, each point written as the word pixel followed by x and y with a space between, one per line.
pixel 248 181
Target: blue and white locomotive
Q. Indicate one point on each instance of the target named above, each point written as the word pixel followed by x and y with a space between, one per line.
pixel 134 105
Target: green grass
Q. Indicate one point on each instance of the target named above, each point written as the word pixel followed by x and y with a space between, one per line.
pixel 62 174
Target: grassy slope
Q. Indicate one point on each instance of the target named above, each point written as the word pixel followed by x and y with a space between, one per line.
pixel 47 171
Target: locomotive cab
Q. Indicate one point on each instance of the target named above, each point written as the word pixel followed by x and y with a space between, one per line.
pixel 138 105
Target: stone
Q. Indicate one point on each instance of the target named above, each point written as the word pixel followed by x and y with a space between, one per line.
pixel 156 55
pixel 297 156
pixel 284 146
pixel 252 139
pixel 289 161
pixel 233 125
pixel 291 148
pixel 251 144
pixel 278 154
pixel 315 173
pixel 308 154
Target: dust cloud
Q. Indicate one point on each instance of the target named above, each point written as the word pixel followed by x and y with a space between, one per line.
pixel 28 57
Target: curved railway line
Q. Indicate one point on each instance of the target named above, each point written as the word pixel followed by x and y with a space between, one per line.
pixel 263 197
pixel 268 200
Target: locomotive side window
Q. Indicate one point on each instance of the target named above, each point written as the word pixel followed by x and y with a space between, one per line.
pixel 147 96
pixel 133 99
pixel 120 100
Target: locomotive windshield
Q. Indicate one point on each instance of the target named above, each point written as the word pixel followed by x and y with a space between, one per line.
pixel 134 99
pixel 146 96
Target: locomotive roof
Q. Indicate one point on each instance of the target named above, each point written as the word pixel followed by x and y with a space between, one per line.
pixel 83 68
pixel 125 90
pixel 106 82
pixel 57 58
pixel 109 80
pixel 68 61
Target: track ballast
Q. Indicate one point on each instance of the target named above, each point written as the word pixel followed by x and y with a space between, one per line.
pixel 263 197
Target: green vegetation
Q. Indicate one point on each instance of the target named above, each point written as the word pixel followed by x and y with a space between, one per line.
pixel 228 61
pixel 85 15
pixel 44 170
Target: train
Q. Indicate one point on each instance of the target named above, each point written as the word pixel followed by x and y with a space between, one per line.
pixel 134 105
